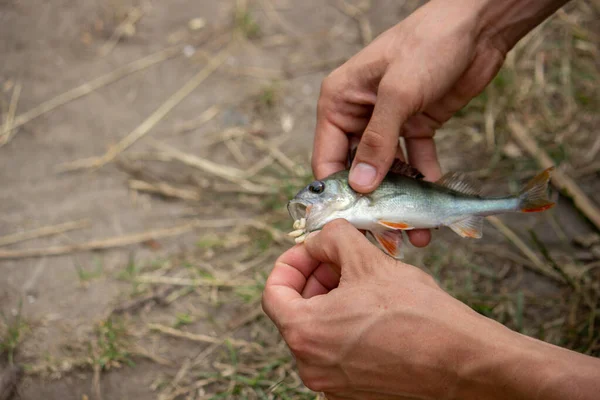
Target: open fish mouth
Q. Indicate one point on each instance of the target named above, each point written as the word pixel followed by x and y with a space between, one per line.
pixel 299 211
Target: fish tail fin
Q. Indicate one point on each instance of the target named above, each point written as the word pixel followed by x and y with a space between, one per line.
pixel 533 196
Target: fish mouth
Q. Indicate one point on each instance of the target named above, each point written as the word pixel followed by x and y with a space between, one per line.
pixel 298 209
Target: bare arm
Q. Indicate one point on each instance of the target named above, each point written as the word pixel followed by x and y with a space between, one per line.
pixel 388 331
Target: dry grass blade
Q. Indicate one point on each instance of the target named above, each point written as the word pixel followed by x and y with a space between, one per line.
pixel 559 179
pixel 537 264
pixel 205 117
pixel 197 337
pixel 190 282
pixel 9 125
pixel 164 189
pixel 228 173
pixel 185 390
pixel 587 170
pixel 358 14
pixel 591 155
pixel 94 84
pixel 116 241
pixel 278 155
pixel 153 119
pixel 306 68
pixel 134 15
pixel 275 17
pixel 44 231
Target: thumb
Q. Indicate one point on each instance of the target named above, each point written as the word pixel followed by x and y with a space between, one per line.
pixel 379 142
pixel 342 245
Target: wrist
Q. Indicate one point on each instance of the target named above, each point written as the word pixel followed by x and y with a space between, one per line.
pixel 505 22
pixel 505 364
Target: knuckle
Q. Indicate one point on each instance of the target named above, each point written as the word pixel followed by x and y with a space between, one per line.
pixel 392 90
pixel 328 84
pixel 298 340
pixel 321 379
pixel 317 383
pixel 373 139
pixel 334 228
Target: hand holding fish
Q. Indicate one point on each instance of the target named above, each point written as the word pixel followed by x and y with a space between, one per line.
pixel 412 79
pixel 388 331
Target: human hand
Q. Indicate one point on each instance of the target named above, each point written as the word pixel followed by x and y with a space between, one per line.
pixel 365 326
pixel 409 81
pixel 388 329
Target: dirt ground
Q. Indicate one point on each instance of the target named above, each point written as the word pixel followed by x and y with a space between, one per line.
pixel 102 323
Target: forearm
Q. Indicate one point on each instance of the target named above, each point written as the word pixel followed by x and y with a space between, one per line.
pixel 505 364
pixel 505 22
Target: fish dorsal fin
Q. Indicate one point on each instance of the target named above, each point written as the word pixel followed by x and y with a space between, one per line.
pixel 459 182
pixel 470 227
pixel 402 168
pixel 398 167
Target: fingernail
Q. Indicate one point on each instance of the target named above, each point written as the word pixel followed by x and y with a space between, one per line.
pixel 363 174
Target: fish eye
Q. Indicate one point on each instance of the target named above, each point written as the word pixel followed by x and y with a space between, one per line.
pixel 316 187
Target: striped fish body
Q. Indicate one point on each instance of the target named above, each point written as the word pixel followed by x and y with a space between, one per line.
pixel 403 202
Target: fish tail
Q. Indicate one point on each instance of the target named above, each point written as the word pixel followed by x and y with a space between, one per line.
pixel 533 196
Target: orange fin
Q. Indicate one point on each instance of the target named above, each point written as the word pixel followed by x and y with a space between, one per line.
pixel 471 227
pixel 533 197
pixel 391 241
pixel 395 225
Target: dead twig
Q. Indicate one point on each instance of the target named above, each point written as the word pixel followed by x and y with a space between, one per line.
pixel 587 170
pixel 198 337
pixel 96 381
pixel 358 14
pixel 116 241
pixel 9 381
pixel 228 173
pixel 278 155
pixel 196 123
pixel 559 179
pixel 296 70
pixel 276 17
pixel 9 125
pixel 156 297
pixel 537 264
pixel 44 231
pixel 124 29
pixel 591 155
pixel 187 389
pixel 164 189
pixel 153 119
pixel 93 85
pixel 141 352
pixel 191 282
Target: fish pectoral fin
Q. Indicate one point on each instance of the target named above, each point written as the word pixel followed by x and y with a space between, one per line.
pixel 395 225
pixel 391 241
pixel 470 227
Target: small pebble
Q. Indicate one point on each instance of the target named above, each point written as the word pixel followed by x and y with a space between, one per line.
pixel 196 24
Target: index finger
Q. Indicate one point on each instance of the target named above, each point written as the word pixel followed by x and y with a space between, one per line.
pixel 330 149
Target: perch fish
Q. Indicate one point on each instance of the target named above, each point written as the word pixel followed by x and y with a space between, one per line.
pixel 404 201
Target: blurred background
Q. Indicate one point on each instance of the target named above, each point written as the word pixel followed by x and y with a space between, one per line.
pixel 147 152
